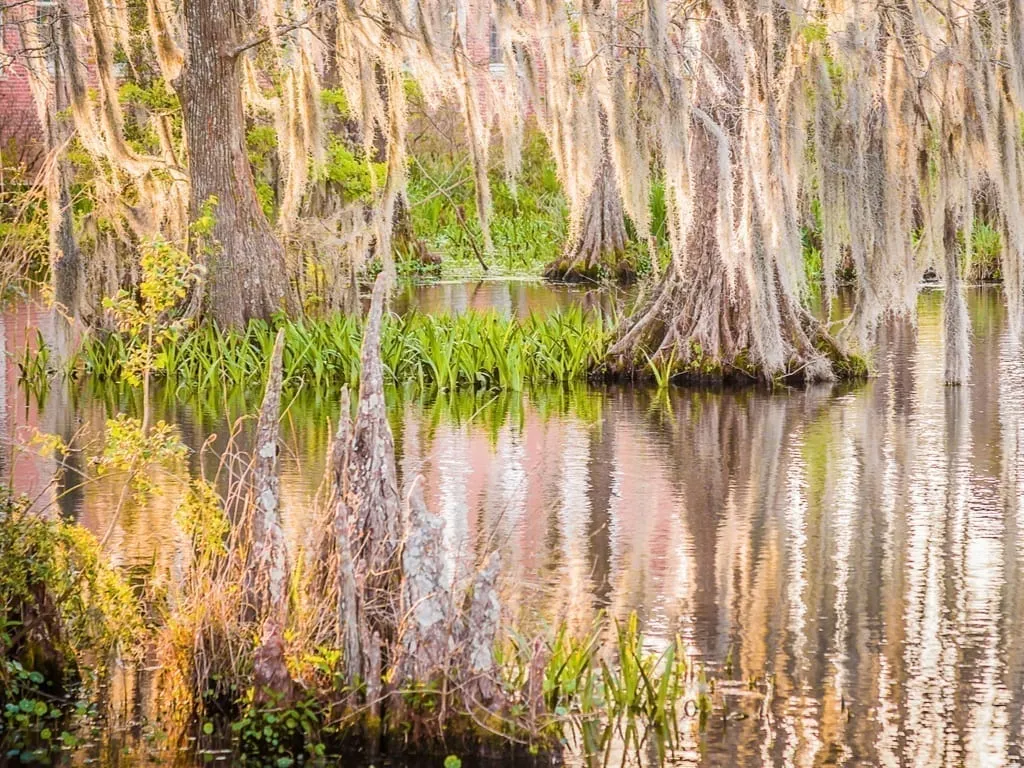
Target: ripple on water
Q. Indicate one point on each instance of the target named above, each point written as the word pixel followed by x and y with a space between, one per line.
pixel 861 544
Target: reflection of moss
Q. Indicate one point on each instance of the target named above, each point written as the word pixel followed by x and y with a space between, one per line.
pixel 815 449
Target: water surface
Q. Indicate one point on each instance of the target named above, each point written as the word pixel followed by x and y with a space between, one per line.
pixel 863 546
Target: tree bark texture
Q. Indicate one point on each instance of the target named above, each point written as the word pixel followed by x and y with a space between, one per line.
pixel 267 567
pixel 599 247
pixel 381 584
pixel 267 571
pixel 65 258
pixel 703 310
pixel 246 275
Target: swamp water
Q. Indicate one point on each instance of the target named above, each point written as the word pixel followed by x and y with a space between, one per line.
pixel 862 547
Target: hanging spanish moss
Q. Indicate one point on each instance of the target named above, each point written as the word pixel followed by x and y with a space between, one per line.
pixel 878 127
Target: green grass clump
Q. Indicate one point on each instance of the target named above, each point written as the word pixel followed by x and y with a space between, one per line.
pixel 481 351
pixel 601 691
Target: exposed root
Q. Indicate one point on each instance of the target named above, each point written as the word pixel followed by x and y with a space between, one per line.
pixel 597 248
pixel 695 329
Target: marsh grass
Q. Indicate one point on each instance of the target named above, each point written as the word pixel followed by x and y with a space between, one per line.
pixel 607 687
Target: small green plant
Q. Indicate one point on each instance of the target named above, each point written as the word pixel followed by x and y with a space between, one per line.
pixel 986 252
pixel 630 692
pixel 149 328
pixel 167 275
pixel 281 734
pixel 662 368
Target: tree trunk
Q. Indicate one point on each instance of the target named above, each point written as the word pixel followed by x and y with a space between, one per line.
pixel 65 258
pixel 246 275
pixel 704 320
pixel 267 570
pixel 5 436
pixel 598 248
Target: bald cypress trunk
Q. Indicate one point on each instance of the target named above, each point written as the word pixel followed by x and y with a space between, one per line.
pixel 246 275
pixel 598 249
pixel 708 319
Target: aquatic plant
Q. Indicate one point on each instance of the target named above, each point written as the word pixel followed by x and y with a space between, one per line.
pixel 367 637
pixel 64 615
pixel 485 351
pixel 597 690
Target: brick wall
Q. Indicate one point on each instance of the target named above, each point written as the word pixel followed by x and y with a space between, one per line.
pixel 487 59
pixel 20 131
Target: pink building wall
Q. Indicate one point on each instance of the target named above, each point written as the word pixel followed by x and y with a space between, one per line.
pixel 20 132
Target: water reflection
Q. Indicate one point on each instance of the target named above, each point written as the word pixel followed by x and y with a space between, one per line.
pixel 516 298
pixel 860 546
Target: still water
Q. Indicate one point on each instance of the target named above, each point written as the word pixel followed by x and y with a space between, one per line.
pixel 863 545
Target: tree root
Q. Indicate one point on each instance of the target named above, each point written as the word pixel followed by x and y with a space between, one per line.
pixel 697 329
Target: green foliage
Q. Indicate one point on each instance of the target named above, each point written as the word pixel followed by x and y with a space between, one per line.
pixel 157 97
pixel 34 365
pixel 24 226
pixel 335 99
pixel 986 251
pixel 167 274
pixel 260 140
pixel 132 449
pixel 32 726
pixel 149 100
pixel 814 32
pixel 52 575
pixel 279 735
pixel 813 265
pixel 355 177
pixel 480 351
pixel 267 197
pixel 204 223
pixel 630 692
pixel 202 519
pixel 529 222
